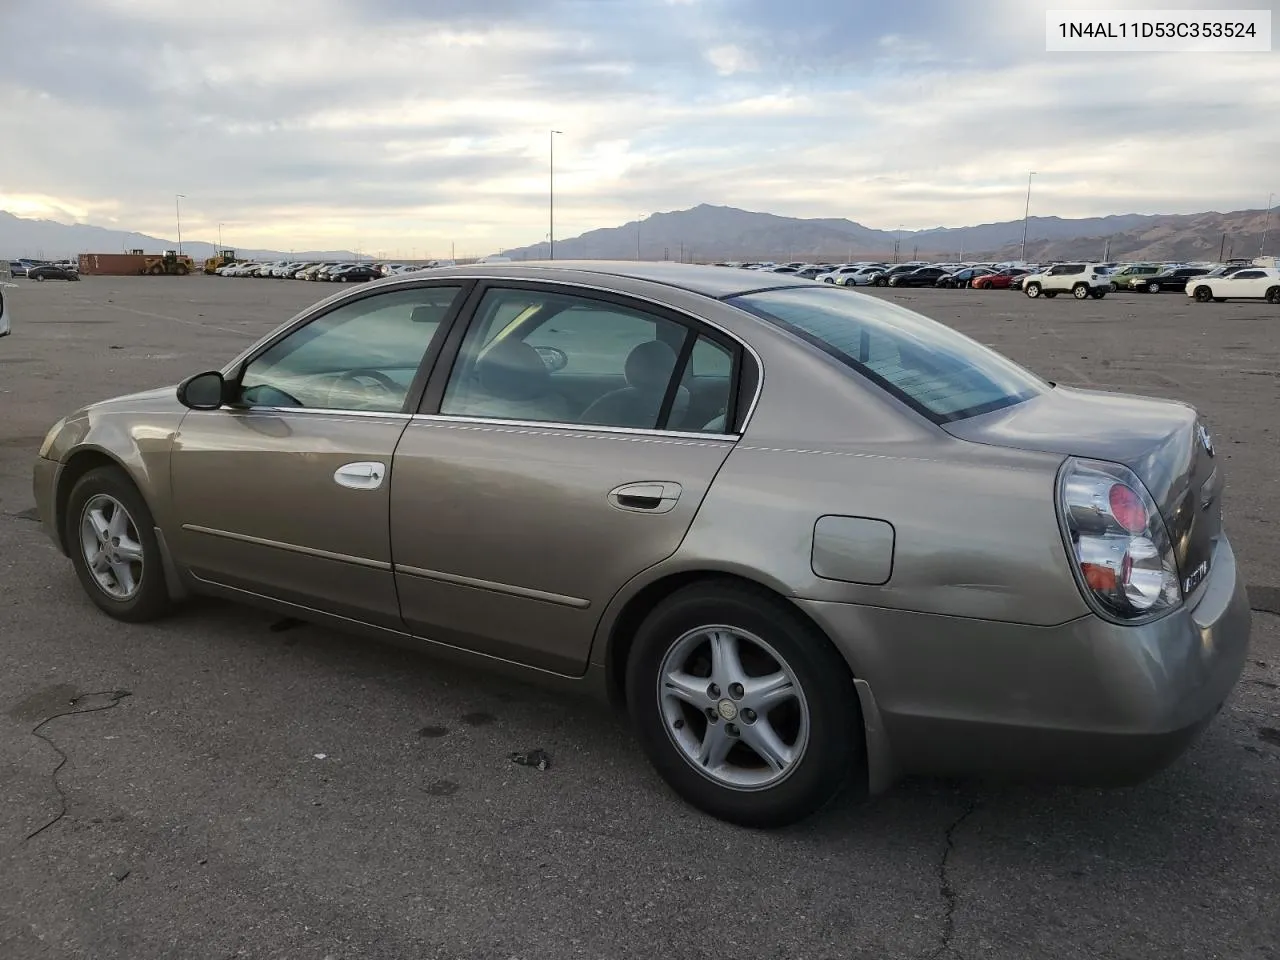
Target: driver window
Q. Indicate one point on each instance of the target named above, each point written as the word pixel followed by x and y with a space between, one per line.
pixel 361 356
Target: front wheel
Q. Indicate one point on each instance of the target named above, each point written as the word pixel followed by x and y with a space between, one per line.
pixel 1153 288
pixel 1203 294
pixel 111 538
pixel 1032 290
pixel 745 709
pixel 1050 294
pixel 1115 288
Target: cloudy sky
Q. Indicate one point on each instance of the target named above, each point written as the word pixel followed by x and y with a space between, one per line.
pixel 405 125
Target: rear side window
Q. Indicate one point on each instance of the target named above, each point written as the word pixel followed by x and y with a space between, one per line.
pixel 937 371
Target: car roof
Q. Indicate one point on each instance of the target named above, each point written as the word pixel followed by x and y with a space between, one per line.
pixel 710 281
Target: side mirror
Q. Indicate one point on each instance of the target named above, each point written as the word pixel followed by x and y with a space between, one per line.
pixel 203 391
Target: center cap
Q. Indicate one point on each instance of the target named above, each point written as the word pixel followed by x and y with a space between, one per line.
pixel 727 709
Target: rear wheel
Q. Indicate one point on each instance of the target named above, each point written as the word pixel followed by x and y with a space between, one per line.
pixel 1100 293
pixel 1080 291
pixel 1032 290
pixel 1153 288
pixel 111 538
pixel 746 710
pixel 1273 295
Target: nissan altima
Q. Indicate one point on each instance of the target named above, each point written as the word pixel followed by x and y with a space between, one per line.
pixel 807 539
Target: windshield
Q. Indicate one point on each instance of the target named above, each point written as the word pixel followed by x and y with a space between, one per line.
pixel 938 372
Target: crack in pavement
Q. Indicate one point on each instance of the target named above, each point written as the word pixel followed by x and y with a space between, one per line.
pixel 949 895
pixel 115 697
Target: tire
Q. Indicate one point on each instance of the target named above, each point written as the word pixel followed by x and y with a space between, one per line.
pixel 1032 290
pixel 1219 299
pixel 1153 288
pixel 672 637
pixel 1273 295
pixel 1080 291
pixel 103 489
pixel 40 279
pixel 1203 294
pixel 181 270
pixel 1115 288
pixel 1099 293
pixel 1050 294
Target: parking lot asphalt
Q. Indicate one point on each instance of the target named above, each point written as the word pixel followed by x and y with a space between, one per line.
pixel 230 785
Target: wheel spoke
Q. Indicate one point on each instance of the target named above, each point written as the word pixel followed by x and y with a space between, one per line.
pixel 123 573
pixel 765 693
pixel 764 740
pixel 98 563
pixel 101 528
pixel 726 665
pixel 687 687
pixel 129 550
pixel 119 523
pixel 716 744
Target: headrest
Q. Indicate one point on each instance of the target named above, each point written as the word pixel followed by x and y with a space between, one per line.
pixel 427 313
pixel 513 370
pixel 649 366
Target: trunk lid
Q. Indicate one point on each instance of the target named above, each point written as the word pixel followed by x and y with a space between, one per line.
pixel 1162 441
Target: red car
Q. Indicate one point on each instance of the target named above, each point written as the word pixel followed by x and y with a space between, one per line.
pixel 998 281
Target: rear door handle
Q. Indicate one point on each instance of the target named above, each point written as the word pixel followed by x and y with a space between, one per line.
pixel 364 475
pixel 646 497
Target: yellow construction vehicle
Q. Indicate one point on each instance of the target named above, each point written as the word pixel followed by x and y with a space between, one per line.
pixel 223 258
pixel 169 262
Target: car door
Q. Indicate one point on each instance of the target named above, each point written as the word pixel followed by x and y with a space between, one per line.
pixel 564 445
pixel 1246 283
pixel 284 492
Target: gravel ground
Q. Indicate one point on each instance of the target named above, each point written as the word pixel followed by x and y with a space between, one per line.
pixel 226 788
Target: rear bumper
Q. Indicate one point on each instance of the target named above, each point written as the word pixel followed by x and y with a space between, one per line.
pixel 1085 701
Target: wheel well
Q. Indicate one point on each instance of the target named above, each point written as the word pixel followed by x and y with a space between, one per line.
pixel 628 622
pixel 75 468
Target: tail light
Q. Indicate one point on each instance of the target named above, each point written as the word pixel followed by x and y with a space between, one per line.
pixel 1117 541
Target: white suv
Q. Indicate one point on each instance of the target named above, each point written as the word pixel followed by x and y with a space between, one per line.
pixel 1081 280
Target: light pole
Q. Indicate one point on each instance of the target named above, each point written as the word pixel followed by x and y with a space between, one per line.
pixel 219 236
pixel 1266 226
pixel 1026 217
pixel 177 206
pixel 551 209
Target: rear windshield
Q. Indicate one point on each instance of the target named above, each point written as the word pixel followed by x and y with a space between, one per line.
pixel 941 373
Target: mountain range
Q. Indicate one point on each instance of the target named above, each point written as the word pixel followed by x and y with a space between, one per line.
pixel 50 240
pixel 707 233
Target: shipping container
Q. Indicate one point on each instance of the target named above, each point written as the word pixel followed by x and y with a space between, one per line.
pixel 112 264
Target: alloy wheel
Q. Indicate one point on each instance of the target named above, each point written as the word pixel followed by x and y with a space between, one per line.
pixel 733 707
pixel 111 547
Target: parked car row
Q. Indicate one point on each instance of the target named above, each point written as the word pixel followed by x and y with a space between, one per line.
pixel 1207 282
pixel 45 269
pixel 333 271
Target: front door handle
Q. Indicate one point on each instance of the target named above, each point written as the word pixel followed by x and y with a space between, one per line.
pixel 646 497
pixel 365 475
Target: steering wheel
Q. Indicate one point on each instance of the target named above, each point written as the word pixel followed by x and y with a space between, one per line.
pixel 360 377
